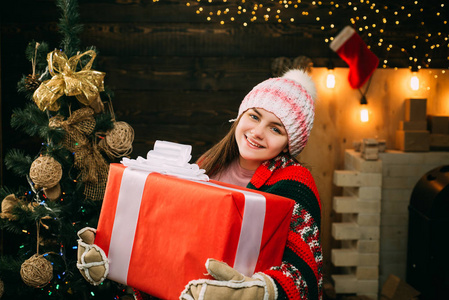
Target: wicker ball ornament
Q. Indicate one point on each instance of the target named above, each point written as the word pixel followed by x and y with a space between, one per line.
pixel 45 172
pixel 36 271
pixel 118 141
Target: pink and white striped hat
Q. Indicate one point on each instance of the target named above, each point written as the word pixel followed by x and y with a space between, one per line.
pixel 291 98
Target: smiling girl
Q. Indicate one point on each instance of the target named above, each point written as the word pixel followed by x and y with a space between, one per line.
pixel 273 126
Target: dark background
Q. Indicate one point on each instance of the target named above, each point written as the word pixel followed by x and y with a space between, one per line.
pixel 178 77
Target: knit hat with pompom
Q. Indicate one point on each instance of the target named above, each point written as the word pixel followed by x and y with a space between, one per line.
pixel 291 98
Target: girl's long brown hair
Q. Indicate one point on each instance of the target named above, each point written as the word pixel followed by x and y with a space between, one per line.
pixel 221 154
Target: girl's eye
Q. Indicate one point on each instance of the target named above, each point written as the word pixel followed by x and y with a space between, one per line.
pixel 252 116
pixel 277 130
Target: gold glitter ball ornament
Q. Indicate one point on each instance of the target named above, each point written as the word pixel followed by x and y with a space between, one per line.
pixel 45 172
pixel 36 271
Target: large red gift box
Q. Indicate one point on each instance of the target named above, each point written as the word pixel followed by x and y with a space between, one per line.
pixel 158 230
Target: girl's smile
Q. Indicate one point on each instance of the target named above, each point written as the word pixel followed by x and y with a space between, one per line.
pixel 260 136
pixel 251 143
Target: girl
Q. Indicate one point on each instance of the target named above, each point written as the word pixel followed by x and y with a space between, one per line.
pixel 273 126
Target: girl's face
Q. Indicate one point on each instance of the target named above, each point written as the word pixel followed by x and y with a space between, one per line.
pixel 260 136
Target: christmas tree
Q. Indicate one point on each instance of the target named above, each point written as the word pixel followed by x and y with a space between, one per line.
pixel 63 185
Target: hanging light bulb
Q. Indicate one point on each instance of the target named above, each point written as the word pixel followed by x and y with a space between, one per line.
pixel 364 115
pixel 330 80
pixel 364 110
pixel 414 80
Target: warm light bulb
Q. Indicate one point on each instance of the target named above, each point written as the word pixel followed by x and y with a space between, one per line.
pixel 414 82
pixel 364 115
pixel 330 81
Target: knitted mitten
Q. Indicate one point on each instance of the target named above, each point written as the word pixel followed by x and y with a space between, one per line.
pixel 92 261
pixel 230 285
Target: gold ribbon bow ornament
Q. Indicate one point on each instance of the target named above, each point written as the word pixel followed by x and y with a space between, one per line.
pixel 86 84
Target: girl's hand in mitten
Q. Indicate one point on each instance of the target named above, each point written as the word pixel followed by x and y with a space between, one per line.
pixel 92 261
pixel 229 285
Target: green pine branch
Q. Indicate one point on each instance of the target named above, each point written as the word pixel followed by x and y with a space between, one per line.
pixel 23 89
pixel 69 26
pixel 18 162
pixel 103 122
pixel 36 53
pixel 30 120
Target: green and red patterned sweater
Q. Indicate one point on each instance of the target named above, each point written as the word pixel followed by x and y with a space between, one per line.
pixel 300 274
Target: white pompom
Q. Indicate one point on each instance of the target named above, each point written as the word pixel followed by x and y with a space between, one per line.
pixel 303 79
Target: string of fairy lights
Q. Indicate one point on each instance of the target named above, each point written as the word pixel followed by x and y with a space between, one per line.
pixel 420 27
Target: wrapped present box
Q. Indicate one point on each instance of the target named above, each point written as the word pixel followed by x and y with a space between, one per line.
pixel 158 230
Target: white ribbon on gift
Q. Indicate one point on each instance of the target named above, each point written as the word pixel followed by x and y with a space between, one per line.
pixel 127 212
pixel 125 223
pixel 248 248
pixel 170 159
pixel 179 151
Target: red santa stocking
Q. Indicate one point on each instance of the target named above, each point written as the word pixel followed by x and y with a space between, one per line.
pixel 351 48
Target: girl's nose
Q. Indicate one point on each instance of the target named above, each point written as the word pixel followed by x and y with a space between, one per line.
pixel 257 131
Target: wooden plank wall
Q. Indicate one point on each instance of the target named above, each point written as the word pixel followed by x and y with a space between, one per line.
pixel 178 78
pixel 184 77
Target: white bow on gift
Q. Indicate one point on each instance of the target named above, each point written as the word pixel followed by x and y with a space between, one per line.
pixel 170 159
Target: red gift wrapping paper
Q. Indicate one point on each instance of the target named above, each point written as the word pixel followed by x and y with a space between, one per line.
pixel 158 230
